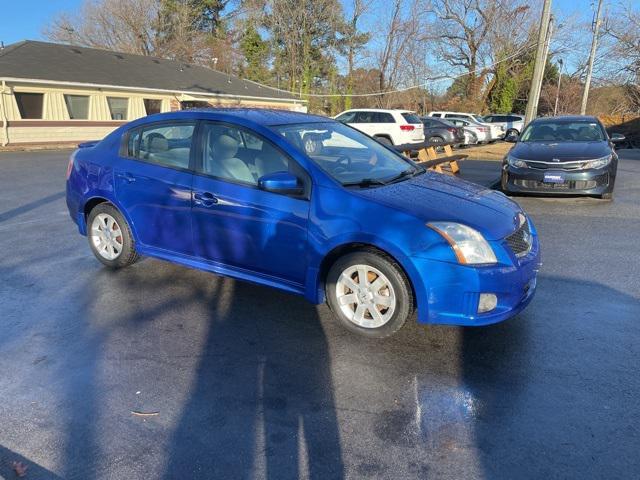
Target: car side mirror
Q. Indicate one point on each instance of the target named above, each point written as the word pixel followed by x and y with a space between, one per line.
pixel 281 182
pixel 511 138
pixel 617 137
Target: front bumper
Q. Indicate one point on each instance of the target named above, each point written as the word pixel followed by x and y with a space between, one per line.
pixel 451 291
pixel 529 180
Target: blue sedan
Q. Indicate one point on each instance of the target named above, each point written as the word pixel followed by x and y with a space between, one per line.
pixel 308 205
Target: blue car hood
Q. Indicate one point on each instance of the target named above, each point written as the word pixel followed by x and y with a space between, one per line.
pixel 547 151
pixel 436 197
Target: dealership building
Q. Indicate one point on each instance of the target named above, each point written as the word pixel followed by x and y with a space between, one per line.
pixel 53 94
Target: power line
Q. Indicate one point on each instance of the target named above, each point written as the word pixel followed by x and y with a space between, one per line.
pixel 404 89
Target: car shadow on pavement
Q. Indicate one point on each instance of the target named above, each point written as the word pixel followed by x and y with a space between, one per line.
pixel 22 209
pixel 252 366
pixel 261 398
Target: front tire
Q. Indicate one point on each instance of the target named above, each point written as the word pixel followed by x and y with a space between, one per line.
pixel 110 237
pixel 369 294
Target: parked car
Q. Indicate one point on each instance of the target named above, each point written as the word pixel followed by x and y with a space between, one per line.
pixel 496 132
pixel 391 127
pixel 562 155
pixel 307 205
pixel 470 138
pixel 511 123
pixel 480 130
pixel 442 131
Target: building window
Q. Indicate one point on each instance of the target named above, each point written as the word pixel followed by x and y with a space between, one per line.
pixel 118 107
pixel 152 106
pixel 77 106
pixel 191 104
pixel 29 104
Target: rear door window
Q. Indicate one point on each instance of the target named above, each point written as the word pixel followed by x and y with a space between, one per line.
pixel 383 117
pixel 166 144
pixel 365 117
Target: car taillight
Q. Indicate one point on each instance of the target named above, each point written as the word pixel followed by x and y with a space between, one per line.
pixel 407 128
pixel 452 130
pixel 70 164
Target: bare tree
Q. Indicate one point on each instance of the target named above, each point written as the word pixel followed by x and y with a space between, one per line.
pixel 354 41
pixel 400 57
pixel 471 34
pixel 123 25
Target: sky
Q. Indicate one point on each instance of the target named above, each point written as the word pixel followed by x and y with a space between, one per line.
pixel 25 19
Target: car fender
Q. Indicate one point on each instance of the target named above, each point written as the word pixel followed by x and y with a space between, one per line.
pixel 314 291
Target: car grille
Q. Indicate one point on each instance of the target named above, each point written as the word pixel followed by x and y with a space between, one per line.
pixel 566 166
pixel 594 182
pixel 520 240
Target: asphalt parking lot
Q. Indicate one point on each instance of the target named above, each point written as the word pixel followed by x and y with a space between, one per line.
pixel 240 381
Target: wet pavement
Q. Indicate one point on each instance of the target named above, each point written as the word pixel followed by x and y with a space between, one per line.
pixel 240 381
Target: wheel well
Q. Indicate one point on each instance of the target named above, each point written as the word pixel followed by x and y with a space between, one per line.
pixel 345 249
pixel 91 204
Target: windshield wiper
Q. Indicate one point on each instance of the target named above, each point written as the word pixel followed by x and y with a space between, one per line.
pixel 364 183
pixel 408 173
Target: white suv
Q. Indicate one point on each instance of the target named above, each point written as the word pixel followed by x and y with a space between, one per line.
pixel 392 127
pixel 496 130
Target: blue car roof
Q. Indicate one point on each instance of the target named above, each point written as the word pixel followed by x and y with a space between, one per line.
pixel 261 116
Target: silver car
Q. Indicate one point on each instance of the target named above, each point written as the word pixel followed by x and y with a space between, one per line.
pixel 481 131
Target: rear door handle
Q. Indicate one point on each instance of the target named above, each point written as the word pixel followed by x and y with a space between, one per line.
pixel 127 177
pixel 206 199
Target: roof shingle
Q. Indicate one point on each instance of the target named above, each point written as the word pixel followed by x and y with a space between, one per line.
pixel 69 63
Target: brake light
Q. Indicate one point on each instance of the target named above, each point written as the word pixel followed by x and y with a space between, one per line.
pixel 452 130
pixel 70 164
pixel 407 128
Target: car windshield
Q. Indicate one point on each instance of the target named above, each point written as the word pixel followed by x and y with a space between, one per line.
pixel 478 118
pixel 347 155
pixel 563 131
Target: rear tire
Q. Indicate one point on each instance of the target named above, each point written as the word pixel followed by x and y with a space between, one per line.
pixel 110 237
pixel 369 294
pixel 384 140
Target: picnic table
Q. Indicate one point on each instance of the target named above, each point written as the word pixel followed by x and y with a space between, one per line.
pixel 428 157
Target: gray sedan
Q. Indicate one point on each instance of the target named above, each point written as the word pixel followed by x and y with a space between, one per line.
pixel 442 131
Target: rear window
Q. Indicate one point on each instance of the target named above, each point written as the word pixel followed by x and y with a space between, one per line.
pixel 411 117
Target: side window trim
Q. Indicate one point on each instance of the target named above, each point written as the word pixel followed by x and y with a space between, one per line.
pixel 198 158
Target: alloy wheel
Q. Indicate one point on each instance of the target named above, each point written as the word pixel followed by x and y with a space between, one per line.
pixel 365 296
pixel 106 236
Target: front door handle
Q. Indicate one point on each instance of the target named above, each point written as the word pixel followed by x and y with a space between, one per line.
pixel 206 199
pixel 127 177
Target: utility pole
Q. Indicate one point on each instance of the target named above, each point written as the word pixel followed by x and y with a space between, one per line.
pixel 592 55
pixel 538 68
pixel 555 107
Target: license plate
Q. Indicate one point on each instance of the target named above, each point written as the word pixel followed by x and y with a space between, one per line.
pixel 553 177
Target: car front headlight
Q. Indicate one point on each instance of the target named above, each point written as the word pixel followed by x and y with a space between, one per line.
pixel 516 162
pixel 468 244
pixel 598 162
